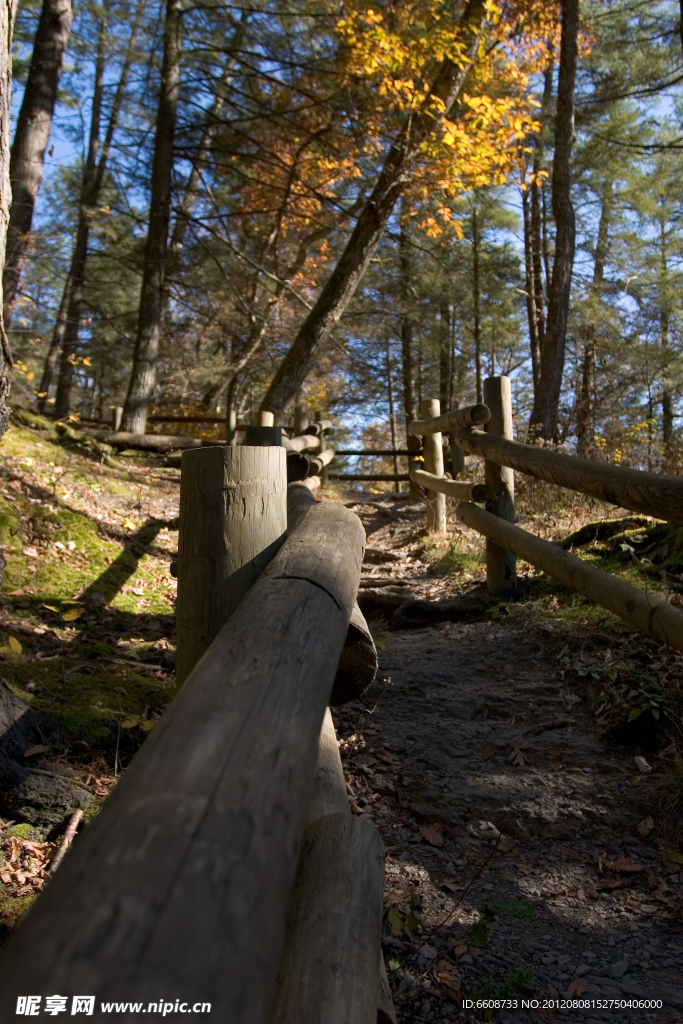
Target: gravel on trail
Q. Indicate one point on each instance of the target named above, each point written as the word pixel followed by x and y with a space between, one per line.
pixel 516 874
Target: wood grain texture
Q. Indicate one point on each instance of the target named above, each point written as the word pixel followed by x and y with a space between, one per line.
pixel 320 461
pixel 462 489
pixel 232 523
pixel 358 662
pixel 329 796
pixel 305 443
pixel 646 612
pixel 441 423
pixel 330 967
pixel 501 568
pixel 652 494
pixel 182 882
pixel 328 792
pixel 386 1014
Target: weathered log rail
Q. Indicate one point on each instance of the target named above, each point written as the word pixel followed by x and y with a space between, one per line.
pixel 650 493
pixel 214 869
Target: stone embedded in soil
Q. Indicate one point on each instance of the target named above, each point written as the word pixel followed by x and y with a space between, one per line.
pixel 618 969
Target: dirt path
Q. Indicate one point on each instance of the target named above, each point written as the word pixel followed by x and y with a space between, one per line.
pixel 515 867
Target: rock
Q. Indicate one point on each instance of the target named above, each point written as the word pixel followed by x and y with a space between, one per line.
pixel 581 970
pixel 618 969
pixel 30 791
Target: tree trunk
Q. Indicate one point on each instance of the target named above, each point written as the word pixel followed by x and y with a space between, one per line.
pixel 531 298
pixel 55 346
pixel 476 302
pixel 6 26
pixel 544 416
pixel 370 226
pixel 407 345
pixel 65 335
pixel 667 394
pixel 584 409
pixel 77 271
pixel 31 138
pixel 143 376
pixel 445 357
pixel 392 410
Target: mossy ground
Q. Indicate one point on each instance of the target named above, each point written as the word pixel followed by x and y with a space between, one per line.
pixel 89 600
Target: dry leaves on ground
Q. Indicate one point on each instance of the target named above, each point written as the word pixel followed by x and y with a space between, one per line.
pixel 517 756
pixel 433 833
pixel 449 978
pixel 27 864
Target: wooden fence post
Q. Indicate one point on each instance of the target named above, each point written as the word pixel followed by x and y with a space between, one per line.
pixel 233 520
pixel 231 424
pixel 457 456
pixel 325 473
pixel 301 421
pixel 433 463
pixel 264 432
pixel 501 570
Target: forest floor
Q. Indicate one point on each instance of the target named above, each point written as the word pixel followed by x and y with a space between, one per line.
pixel 529 855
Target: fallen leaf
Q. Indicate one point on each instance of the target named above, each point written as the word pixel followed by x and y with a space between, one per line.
pixel 642 764
pixel 449 977
pixel 31 552
pixel 674 855
pixel 14 644
pixel 433 833
pixel 72 614
pixel 460 950
pixel 624 864
pixel 50 607
pixel 517 756
pixel 646 826
pixel 428 952
pixel 505 845
pixel 40 748
pixel 609 883
pixel 15 593
pixel 395 922
pixel 556 765
pixel 577 987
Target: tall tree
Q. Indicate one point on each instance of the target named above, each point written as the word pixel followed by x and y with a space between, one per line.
pixel 544 415
pixel 65 335
pixel 370 226
pixel 584 405
pixel 6 25
pixel 146 355
pixel 31 138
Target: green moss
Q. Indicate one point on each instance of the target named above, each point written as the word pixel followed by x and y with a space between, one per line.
pixel 10 529
pixel 88 708
pixel 15 906
pixel 603 529
pixel 25 831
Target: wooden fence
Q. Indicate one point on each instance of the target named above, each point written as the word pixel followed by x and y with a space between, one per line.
pixel 649 493
pixel 226 868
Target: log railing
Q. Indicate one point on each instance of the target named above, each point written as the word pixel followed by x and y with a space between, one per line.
pixel 226 869
pixel 653 494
